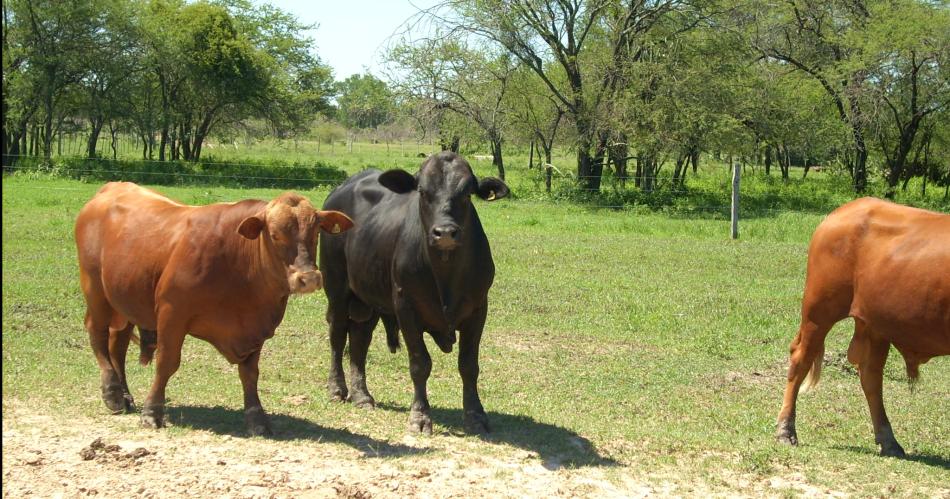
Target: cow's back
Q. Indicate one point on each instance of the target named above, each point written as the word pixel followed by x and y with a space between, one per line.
pixel 125 236
pixel 361 258
pixel 888 264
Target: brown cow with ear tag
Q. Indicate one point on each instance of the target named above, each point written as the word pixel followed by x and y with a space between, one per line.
pixel 221 272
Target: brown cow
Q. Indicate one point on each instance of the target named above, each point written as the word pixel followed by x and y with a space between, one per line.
pixel 221 272
pixel 888 267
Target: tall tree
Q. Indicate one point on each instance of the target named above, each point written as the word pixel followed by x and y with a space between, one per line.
pixel 551 36
pixel 364 101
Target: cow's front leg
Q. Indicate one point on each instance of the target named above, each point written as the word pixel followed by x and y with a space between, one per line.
pixel 420 366
pixel 470 335
pixel 167 359
pixel 254 416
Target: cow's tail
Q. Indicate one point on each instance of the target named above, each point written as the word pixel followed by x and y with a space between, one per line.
pixel 814 374
pixel 392 333
pixel 148 342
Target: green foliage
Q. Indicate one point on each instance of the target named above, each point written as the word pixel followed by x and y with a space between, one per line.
pixel 364 101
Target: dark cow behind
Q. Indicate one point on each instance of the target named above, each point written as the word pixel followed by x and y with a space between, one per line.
pixel 419 260
pixel 221 272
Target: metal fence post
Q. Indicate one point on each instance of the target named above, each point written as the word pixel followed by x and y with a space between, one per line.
pixel 735 200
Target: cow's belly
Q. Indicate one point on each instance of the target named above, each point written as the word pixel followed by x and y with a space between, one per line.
pixel 235 336
pixel 907 305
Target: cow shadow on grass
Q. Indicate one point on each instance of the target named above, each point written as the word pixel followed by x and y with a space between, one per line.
pixel 917 457
pixel 227 421
pixel 557 447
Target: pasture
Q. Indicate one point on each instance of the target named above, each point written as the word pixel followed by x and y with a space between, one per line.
pixel 626 352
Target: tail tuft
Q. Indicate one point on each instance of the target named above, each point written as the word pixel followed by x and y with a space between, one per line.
pixel 814 374
pixel 147 345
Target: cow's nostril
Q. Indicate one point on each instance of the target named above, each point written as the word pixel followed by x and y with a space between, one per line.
pixel 445 231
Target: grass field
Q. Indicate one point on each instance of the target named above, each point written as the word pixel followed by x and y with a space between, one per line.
pixel 636 341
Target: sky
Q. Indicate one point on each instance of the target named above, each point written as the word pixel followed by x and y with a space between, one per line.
pixel 352 34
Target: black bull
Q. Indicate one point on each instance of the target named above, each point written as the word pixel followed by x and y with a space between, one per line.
pixel 418 259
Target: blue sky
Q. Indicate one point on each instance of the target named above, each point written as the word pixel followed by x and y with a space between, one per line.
pixel 352 34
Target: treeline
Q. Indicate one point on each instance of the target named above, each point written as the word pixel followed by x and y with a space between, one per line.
pixel 638 89
pixel 635 85
pixel 167 71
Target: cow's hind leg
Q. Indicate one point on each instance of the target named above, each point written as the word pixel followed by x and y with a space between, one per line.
pixel 871 369
pixel 118 347
pixel 805 351
pixel 470 334
pixel 254 416
pixel 360 334
pixel 98 317
pixel 171 336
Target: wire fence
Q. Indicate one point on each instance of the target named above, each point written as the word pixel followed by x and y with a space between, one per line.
pixel 528 185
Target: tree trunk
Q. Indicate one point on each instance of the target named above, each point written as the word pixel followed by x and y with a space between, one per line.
pixel 93 137
pixel 496 157
pixel 531 155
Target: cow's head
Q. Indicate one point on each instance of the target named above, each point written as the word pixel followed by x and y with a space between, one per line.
pixel 289 227
pixel 445 185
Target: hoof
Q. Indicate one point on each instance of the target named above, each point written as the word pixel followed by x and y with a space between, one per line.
pixel 893 449
pixel 258 424
pixel 476 423
pixel 363 401
pixel 338 393
pixel 153 417
pixel 785 434
pixel 420 423
pixel 786 439
pixel 117 400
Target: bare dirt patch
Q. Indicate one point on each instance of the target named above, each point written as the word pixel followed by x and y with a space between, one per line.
pixel 51 456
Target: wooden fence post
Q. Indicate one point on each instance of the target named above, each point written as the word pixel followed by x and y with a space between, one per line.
pixel 735 200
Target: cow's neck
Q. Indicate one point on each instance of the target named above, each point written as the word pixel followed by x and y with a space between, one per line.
pixel 449 270
pixel 268 269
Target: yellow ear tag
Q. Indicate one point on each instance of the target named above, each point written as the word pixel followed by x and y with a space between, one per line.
pixel 491 196
pixel 336 229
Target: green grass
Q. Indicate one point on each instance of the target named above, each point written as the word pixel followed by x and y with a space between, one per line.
pixel 640 338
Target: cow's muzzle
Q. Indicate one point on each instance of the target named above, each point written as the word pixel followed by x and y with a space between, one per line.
pixel 445 237
pixel 306 281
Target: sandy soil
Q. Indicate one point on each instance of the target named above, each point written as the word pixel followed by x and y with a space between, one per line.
pixel 48 456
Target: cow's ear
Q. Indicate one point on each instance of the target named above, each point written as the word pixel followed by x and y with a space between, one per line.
pixel 251 227
pixel 334 222
pixel 491 188
pixel 398 181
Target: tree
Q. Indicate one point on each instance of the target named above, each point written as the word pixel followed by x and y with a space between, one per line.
pixel 816 39
pixel 906 53
pixel 364 101
pixel 446 74
pixel 47 44
pixel 552 36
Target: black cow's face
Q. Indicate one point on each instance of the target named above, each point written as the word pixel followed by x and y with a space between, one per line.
pixel 445 185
